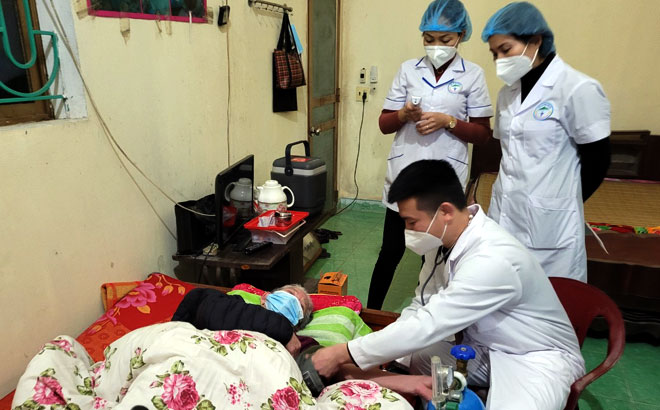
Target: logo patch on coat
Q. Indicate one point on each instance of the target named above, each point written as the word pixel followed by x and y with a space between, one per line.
pixel 455 87
pixel 543 111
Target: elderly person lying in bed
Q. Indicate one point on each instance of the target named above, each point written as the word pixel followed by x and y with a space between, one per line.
pixel 287 309
pixel 175 366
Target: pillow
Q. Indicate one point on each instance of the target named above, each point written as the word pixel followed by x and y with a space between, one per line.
pixel 113 291
pixel 335 325
pixel 319 301
pixel 153 300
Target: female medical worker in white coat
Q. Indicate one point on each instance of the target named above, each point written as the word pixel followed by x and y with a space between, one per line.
pixel 436 106
pixel 553 123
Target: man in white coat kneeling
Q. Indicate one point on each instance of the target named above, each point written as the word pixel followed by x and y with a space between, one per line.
pixel 480 280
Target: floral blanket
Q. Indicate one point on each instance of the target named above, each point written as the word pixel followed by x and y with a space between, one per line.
pixel 175 366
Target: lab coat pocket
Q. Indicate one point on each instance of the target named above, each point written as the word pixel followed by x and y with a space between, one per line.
pixel 540 137
pixel 553 222
pixel 460 167
pixel 395 162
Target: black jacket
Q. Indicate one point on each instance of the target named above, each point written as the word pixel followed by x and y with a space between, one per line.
pixel 213 310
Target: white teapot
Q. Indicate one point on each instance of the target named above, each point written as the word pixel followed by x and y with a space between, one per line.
pixel 239 193
pixel 271 195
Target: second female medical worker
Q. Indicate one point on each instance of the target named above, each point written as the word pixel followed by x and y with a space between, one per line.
pixel 436 106
pixel 553 123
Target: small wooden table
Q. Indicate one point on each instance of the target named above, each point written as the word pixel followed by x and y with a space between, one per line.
pixel 267 268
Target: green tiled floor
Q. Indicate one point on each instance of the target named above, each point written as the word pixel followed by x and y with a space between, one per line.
pixel 633 383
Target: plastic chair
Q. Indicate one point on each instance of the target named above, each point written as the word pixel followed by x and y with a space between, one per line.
pixel 583 302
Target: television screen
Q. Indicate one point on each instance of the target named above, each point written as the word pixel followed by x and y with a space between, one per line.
pixel 233 200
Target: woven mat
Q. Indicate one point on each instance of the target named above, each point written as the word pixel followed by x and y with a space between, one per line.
pixel 620 202
pixel 616 202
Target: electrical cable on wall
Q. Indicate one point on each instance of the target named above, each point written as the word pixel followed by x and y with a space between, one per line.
pixel 116 147
pixel 228 98
pixel 357 159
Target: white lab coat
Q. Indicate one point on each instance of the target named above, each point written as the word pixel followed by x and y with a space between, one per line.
pixel 498 294
pixel 537 196
pixel 461 92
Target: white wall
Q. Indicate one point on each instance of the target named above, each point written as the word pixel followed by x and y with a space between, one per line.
pixel 72 219
pixel 612 40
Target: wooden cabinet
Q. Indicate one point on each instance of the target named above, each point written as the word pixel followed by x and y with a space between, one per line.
pixel 635 155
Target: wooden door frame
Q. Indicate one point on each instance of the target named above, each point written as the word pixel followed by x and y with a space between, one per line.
pixel 318 102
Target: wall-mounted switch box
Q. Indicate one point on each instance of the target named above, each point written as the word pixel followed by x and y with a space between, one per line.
pixel 373 74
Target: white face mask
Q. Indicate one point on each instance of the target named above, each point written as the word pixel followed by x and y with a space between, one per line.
pixel 423 242
pixel 512 69
pixel 439 55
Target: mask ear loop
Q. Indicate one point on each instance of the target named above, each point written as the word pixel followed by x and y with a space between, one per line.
pixel 431 224
pixel 432 220
pixel 535 54
pixel 524 49
pixel 443 233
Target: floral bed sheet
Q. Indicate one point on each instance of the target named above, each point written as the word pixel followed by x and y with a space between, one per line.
pixel 175 366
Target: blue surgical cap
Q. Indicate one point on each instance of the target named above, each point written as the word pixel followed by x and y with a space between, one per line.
pixel 520 19
pixel 447 15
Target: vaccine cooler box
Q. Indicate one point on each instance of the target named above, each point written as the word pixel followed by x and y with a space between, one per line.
pixel 305 175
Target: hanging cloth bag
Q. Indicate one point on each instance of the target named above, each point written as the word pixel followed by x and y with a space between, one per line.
pixel 286 59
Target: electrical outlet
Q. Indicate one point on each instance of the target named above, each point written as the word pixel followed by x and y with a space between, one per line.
pixel 359 91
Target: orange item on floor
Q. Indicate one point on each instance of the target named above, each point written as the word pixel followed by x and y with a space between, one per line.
pixel 333 283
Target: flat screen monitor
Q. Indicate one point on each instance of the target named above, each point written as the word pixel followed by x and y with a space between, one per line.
pixel 233 200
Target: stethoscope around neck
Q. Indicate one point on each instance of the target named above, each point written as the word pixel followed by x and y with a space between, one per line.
pixel 443 255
